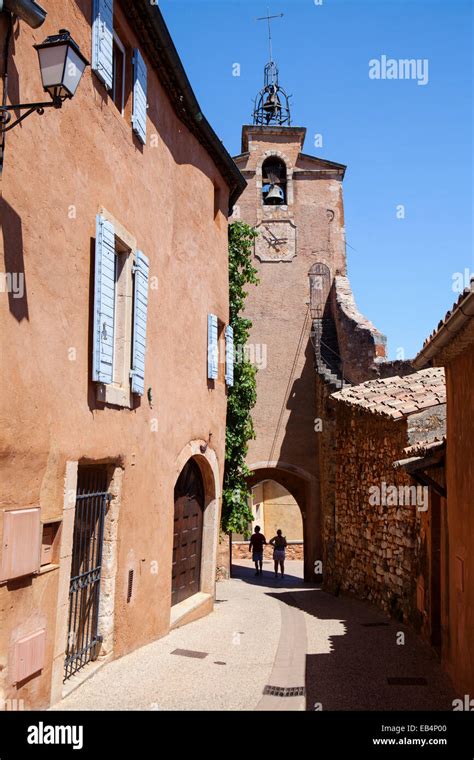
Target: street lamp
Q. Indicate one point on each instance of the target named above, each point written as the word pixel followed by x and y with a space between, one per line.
pixel 62 66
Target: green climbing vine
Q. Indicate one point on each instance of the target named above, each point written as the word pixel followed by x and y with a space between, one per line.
pixel 236 514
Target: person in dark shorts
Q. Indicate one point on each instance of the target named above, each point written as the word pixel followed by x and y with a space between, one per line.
pixel 257 542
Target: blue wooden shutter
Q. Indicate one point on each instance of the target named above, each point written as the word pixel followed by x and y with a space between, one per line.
pixel 104 302
pixel 140 77
pixel 140 311
pixel 103 41
pixel 212 348
pixel 229 355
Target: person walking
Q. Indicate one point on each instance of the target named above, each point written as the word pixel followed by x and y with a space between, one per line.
pixel 279 545
pixel 257 542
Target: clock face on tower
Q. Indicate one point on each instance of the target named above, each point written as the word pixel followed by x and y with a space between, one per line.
pixel 276 241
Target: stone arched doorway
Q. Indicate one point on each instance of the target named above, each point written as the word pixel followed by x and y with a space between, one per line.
pixel 302 486
pixel 189 501
pixel 197 453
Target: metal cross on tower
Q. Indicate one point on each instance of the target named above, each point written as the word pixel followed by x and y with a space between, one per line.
pixel 269 18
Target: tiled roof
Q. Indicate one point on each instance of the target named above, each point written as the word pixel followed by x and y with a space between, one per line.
pixel 398 397
pixel 424 447
pixel 421 451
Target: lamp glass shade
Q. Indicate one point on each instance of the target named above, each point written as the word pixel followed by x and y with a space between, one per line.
pixel 75 66
pixel 52 60
pixel 62 65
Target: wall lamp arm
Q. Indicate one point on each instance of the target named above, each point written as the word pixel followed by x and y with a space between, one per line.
pixel 30 108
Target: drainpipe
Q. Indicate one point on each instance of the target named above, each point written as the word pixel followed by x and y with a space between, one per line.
pixel 34 15
pixel 6 53
pixel 26 10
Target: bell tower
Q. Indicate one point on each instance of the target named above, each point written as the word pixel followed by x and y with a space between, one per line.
pixel 294 200
pixel 308 337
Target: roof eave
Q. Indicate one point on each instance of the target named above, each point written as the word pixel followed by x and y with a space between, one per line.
pixel 447 332
pixel 330 164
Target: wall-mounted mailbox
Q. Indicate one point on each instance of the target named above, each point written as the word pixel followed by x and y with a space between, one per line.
pixel 21 543
pixel 29 655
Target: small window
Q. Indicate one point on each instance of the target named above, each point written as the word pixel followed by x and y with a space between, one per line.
pixel 123 314
pixel 216 349
pixel 319 287
pixel 274 182
pixel 119 61
pixel 222 351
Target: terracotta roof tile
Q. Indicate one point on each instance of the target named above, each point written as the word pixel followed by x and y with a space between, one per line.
pixel 424 446
pixel 398 397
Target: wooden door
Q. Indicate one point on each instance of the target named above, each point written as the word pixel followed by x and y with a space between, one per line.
pixel 187 534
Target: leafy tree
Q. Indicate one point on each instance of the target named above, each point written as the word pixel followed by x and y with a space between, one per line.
pixel 242 397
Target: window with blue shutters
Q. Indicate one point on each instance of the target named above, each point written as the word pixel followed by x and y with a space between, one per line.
pixel 212 347
pixel 229 356
pixel 120 314
pixel 140 88
pixel 140 309
pixel 104 302
pixel 103 41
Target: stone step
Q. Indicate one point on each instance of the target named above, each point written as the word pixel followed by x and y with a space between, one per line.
pixel 327 359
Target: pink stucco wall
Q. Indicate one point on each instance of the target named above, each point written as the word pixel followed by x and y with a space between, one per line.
pixel 60 170
pixel 459 648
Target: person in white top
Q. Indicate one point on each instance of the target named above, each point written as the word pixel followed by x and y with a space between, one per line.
pixel 279 545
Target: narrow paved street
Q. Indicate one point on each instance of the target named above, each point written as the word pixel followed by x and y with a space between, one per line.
pixel 267 632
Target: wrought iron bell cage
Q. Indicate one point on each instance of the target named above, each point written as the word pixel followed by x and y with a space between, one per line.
pixel 272 104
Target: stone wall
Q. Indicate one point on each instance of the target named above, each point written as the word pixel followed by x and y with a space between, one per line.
pixel 223 558
pixel 362 348
pixel 327 477
pixel 376 548
pixel 360 343
pixel 241 551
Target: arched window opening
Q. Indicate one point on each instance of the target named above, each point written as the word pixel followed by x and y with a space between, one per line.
pixel 319 286
pixel 274 182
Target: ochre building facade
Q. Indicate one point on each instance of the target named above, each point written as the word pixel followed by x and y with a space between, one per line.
pixel 114 382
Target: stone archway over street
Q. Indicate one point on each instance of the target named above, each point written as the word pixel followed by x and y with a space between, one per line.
pixel 302 487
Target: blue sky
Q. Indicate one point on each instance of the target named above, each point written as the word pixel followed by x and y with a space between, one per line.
pixel 404 143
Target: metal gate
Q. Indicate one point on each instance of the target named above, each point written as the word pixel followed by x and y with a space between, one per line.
pixel 91 503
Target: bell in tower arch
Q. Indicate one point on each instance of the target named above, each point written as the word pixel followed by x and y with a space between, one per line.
pixel 275 196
